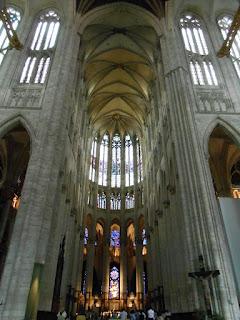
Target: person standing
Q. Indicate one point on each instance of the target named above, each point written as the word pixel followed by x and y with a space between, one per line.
pixel 123 315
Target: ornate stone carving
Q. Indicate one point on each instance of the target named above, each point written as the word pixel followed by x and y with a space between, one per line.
pixel 25 97
pixel 214 101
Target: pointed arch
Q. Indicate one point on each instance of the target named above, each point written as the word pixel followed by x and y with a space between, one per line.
pixel 230 130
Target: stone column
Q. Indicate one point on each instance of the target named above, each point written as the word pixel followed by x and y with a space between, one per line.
pixel 123 265
pixel 90 260
pixel 38 196
pixel 105 281
pixel 199 220
pixel 139 266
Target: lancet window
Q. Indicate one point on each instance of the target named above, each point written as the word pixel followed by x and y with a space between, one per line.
pixel 115 201
pixel 102 200
pixel 224 24
pixel 41 50
pixel 129 200
pixel 139 161
pixel 129 168
pixel 201 67
pixel 115 238
pixel 92 169
pixel 15 18
pixel 85 240
pixel 114 283
pixel 103 161
pixel 116 161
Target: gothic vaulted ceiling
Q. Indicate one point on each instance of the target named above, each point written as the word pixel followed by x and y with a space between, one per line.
pixel 118 55
pixel 155 6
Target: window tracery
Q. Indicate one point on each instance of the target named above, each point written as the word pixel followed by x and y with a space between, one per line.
pixel 41 50
pixel 15 17
pixel 129 200
pixel 103 161
pixel 129 168
pixel 224 24
pixel 115 201
pixel 92 169
pixel 116 161
pixel 201 66
pixel 139 161
pixel 114 283
pixel 102 200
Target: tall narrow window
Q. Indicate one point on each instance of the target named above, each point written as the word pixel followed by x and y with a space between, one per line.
pixel 139 161
pixel 225 24
pixel 129 172
pixel 201 67
pixel 129 200
pixel 102 200
pixel 85 241
pixel 41 50
pixel 103 161
pixel 15 18
pixel 114 283
pixel 92 169
pixel 116 161
pixel 115 201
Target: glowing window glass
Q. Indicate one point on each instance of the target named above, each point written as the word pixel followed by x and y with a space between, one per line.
pixel 116 161
pixel 103 161
pixel 224 24
pixel 114 283
pixel 201 67
pixel 38 62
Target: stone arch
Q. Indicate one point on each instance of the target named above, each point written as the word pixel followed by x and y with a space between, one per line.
pixel 16 120
pixel 224 154
pixel 106 9
pixel 15 143
pixel 230 130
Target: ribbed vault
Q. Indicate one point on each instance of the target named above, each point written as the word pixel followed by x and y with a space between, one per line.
pixel 118 59
pixel 155 6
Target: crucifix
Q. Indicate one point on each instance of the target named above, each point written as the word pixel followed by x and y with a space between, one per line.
pixel 11 33
pixel 227 44
pixel 203 276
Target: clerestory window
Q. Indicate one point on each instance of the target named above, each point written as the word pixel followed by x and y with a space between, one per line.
pixel 224 23
pixel 201 67
pixel 40 53
pixel 15 18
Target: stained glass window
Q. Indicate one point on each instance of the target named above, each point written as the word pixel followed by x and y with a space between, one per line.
pixel 129 200
pixel 115 201
pixel 201 66
pixel 92 169
pixel 139 161
pixel 15 18
pixel 41 50
pixel 225 24
pixel 115 238
pixel 103 161
pixel 129 172
pixel 114 283
pixel 116 161
pixel 144 237
pixel 85 236
pixel 102 200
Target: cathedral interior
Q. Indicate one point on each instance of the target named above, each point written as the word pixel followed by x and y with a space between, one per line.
pixel 130 198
